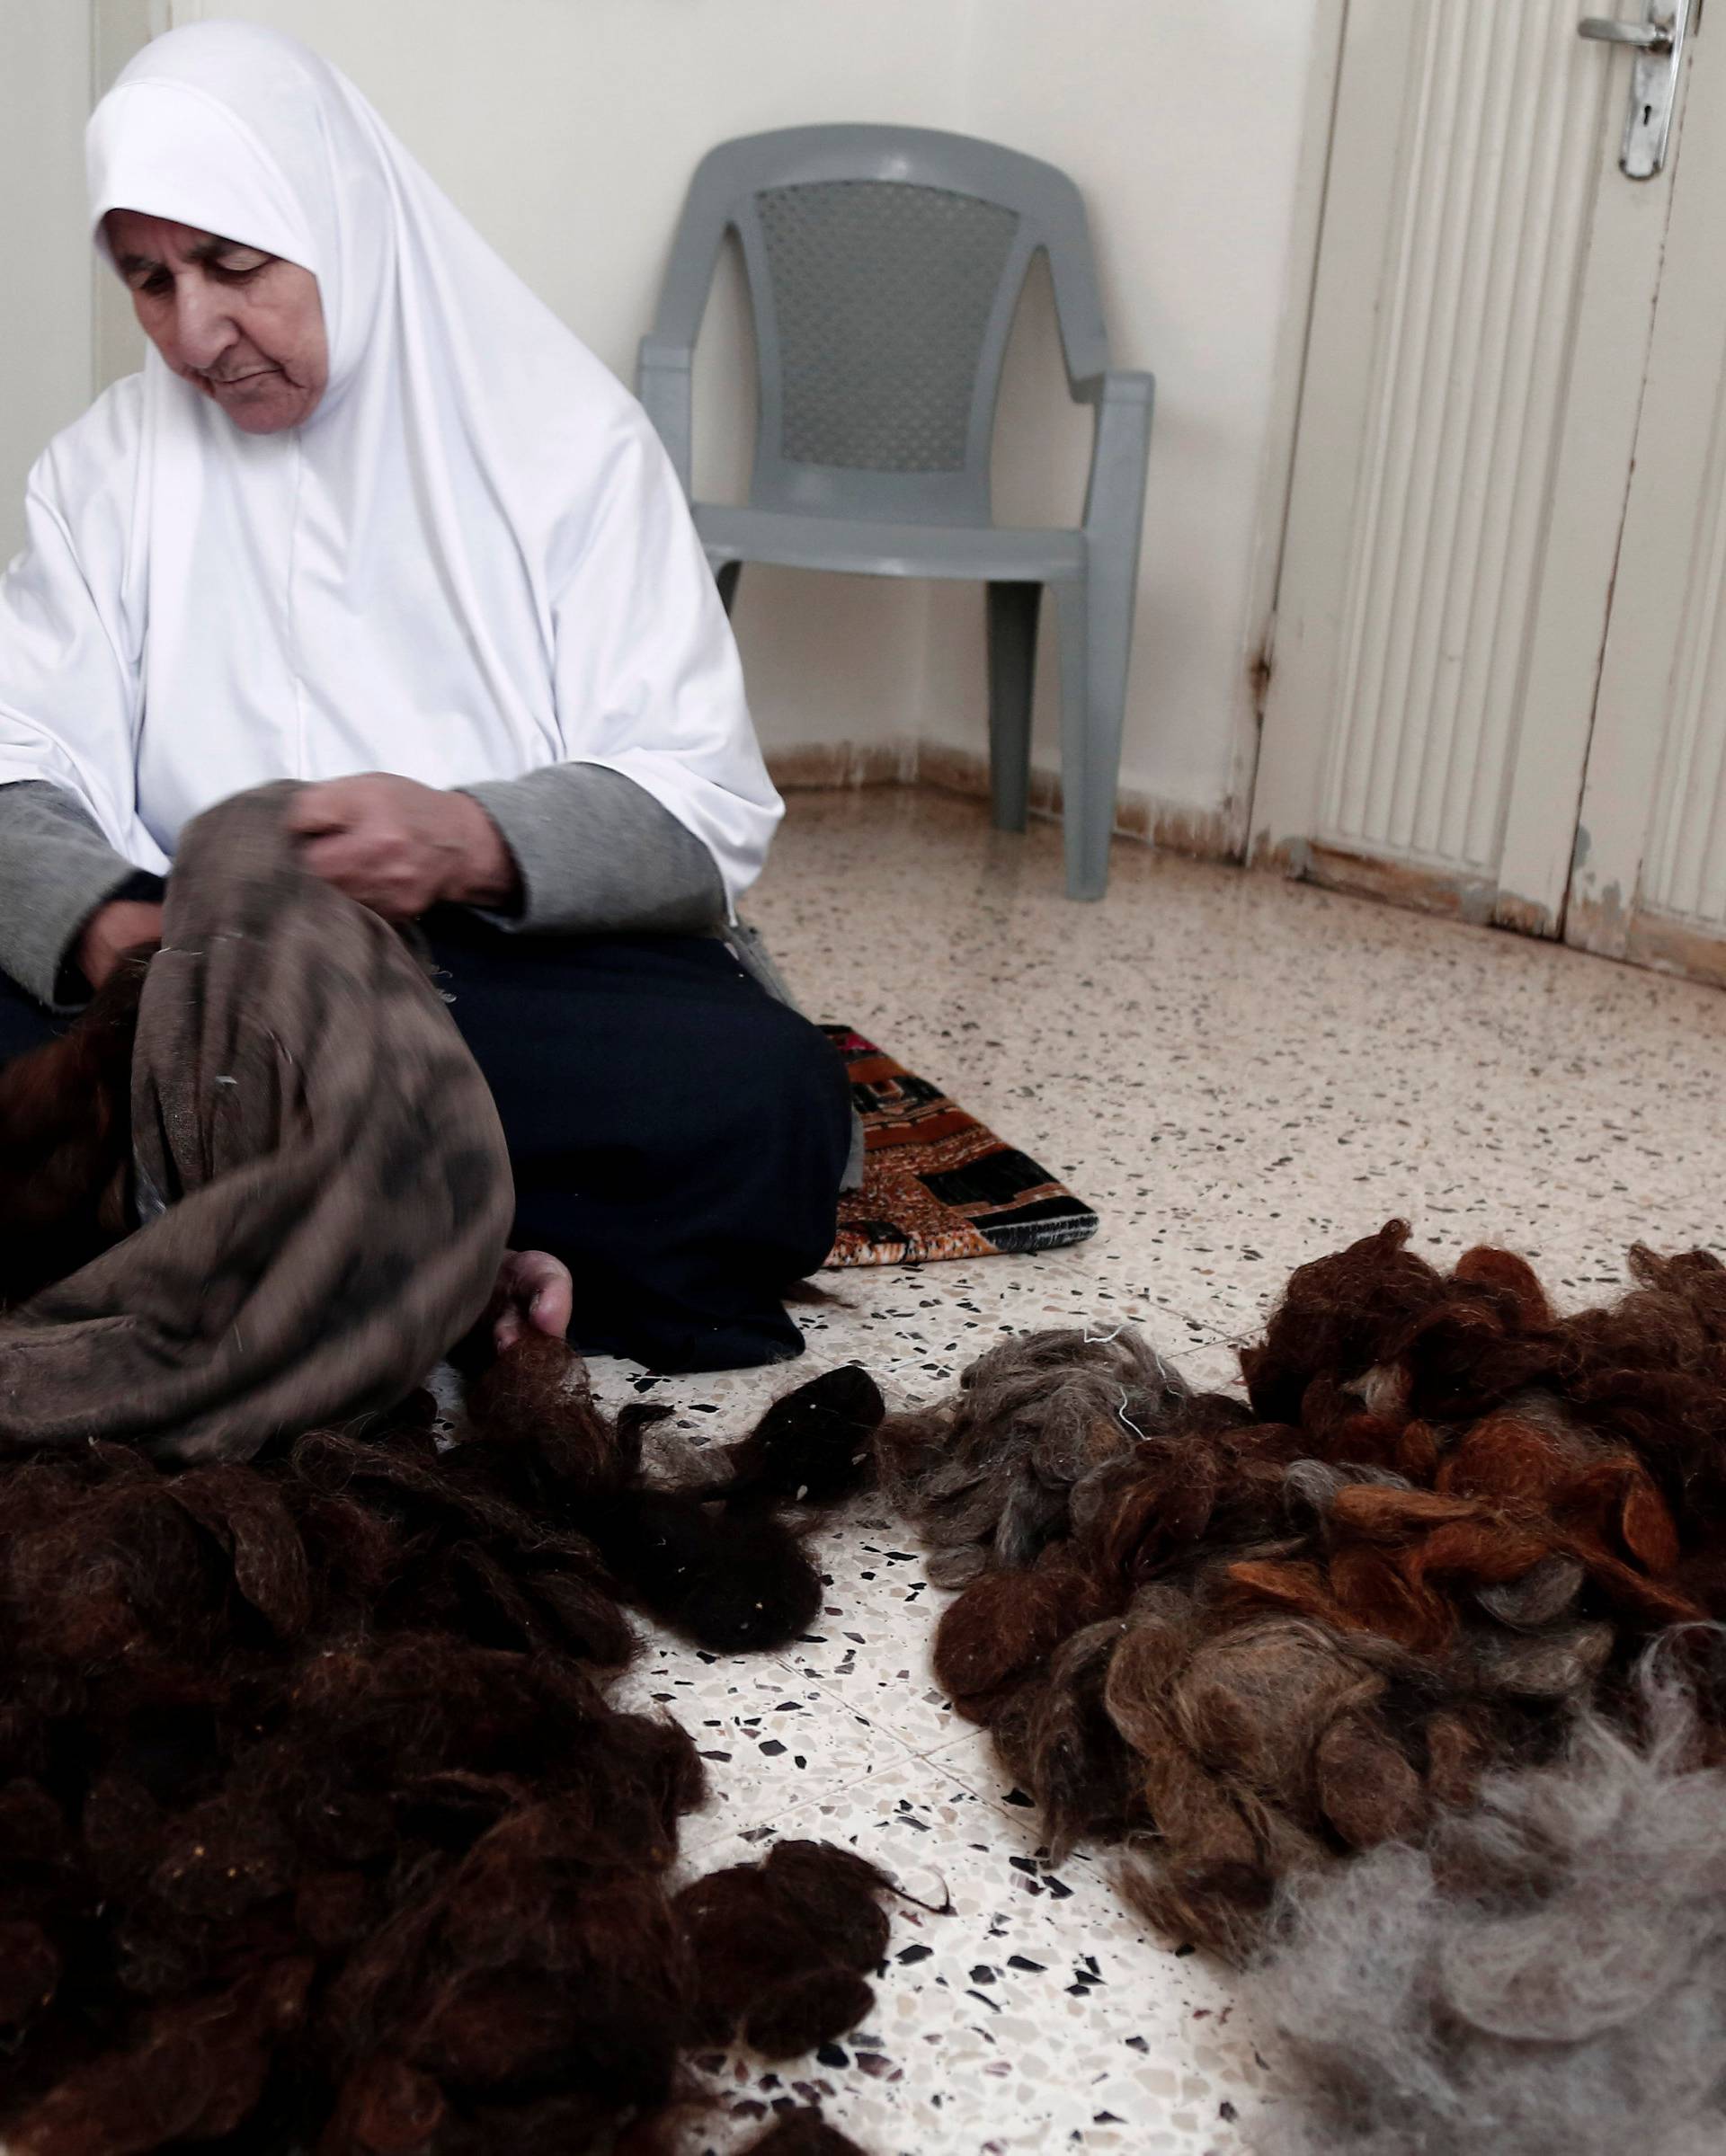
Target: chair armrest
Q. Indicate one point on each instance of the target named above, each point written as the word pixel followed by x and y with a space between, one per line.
pixel 664 372
pixel 1116 385
pixel 1120 452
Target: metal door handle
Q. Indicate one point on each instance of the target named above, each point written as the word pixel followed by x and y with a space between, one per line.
pixel 1648 36
pixel 1658 43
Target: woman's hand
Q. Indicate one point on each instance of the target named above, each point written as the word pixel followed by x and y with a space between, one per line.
pixel 113 929
pixel 400 848
pixel 534 1294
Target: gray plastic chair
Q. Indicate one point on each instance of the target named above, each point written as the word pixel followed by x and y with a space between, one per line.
pixel 884 267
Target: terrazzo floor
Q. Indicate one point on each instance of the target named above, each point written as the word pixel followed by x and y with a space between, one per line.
pixel 1240 1073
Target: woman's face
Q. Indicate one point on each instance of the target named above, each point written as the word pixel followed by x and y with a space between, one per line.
pixel 245 327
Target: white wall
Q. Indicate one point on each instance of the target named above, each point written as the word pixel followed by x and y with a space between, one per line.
pixel 45 333
pixel 119 27
pixel 567 130
pixel 1183 128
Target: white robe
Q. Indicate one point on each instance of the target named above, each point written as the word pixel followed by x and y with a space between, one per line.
pixel 472 561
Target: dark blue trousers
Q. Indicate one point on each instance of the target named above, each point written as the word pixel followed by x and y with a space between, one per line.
pixel 678 1137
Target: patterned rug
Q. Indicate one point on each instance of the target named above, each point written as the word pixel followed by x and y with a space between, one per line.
pixel 936 1184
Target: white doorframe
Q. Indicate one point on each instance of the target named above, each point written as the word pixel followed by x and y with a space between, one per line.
pixel 1353 266
pixel 1463 448
pixel 1649 872
pixel 1611 347
pixel 1277 474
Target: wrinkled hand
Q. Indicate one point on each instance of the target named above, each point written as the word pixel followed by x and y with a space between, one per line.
pixel 534 1294
pixel 400 848
pixel 122 925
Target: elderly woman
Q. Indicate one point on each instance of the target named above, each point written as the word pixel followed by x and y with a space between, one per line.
pixel 373 520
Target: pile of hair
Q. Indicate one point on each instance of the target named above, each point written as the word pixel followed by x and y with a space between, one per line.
pixel 65 1141
pixel 318 1828
pixel 1259 1637
pixel 1546 1974
pixel 1251 1636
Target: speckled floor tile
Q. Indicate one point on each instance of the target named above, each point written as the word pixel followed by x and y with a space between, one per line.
pixel 1033 2013
pixel 769 1738
pixel 871 1646
pixel 1240 1074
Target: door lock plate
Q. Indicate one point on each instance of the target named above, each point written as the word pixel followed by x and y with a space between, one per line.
pixel 1658 44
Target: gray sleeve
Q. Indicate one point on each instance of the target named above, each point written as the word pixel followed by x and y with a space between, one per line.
pixel 596 852
pixel 56 868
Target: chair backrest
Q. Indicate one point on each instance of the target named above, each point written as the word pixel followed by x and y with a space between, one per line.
pixel 884 267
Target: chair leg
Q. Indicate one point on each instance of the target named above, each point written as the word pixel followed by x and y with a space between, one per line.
pixel 725 576
pixel 1012 677
pixel 1096 634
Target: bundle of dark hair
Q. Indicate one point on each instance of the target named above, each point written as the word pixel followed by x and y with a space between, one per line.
pixel 710 1555
pixel 1252 1637
pixel 317 1827
pixel 65 1141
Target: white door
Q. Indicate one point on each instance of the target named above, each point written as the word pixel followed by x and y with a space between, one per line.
pixel 1482 320
pixel 1650 880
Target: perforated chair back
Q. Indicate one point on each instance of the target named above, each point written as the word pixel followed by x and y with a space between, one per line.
pixel 884 267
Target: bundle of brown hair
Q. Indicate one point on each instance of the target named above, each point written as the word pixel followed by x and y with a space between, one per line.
pixel 317 1827
pixel 1251 1636
pixel 65 1141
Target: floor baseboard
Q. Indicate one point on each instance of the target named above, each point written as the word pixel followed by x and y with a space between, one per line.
pixel 902 761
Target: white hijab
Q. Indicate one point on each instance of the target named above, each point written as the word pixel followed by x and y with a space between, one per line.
pixel 472 560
